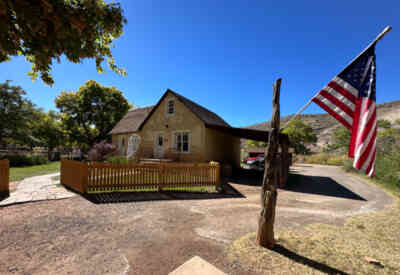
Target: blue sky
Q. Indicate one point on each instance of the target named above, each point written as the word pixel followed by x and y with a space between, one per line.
pixel 225 55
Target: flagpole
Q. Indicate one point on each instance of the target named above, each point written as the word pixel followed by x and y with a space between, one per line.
pixel 379 37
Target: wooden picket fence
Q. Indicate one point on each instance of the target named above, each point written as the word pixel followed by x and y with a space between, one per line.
pixel 108 177
pixel 4 178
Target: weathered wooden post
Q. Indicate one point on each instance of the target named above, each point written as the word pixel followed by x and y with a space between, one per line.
pixel 265 234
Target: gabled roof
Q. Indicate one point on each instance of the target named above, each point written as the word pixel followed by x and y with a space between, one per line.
pixel 209 118
pixel 132 120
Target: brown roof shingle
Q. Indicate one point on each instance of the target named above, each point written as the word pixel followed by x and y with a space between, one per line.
pixel 132 120
pixel 208 117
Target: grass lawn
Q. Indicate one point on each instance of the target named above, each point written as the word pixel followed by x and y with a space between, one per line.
pixel 20 173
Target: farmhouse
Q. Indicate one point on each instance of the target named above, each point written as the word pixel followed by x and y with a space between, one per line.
pixel 181 130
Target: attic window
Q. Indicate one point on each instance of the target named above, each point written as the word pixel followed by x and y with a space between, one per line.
pixel 171 107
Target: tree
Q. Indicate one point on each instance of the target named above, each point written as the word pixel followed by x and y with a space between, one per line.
pixel 48 130
pixel 89 114
pixel 254 143
pixel 340 140
pixel 300 134
pixel 43 30
pixel 16 112
pixel 386 140
pixel 383 123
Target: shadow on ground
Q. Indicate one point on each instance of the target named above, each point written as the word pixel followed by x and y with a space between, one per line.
pixel 306 261
pixel 249 177
pixel 4 195
pixel 318 185
pixel 120 197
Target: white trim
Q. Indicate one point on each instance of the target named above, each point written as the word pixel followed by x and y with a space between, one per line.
pixel 173 149
pixel 346 86
pixel 133 151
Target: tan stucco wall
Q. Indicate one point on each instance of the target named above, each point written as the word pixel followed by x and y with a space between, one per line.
pixel 182 120
pixel 222 148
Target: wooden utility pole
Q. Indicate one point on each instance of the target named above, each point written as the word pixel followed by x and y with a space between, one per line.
pixel 269 193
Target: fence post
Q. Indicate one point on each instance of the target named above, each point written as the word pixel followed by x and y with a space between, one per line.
pixel 160 176
pixel 218 186
pixel 62 173
pixel 84 177
pixel 4 179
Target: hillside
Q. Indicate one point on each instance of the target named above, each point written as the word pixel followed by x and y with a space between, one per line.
pixel 323 124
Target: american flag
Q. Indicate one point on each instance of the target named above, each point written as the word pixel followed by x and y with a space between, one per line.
pixel 350 98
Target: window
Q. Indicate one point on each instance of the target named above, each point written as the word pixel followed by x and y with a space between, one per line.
pixel 133 145
pixel 170 107
pixel 122 147
pixel 182 142
pixel 160 140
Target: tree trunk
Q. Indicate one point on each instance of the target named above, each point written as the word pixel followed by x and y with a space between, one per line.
pixel 269 194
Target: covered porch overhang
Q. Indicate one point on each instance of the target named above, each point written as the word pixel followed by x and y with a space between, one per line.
pixel 245 133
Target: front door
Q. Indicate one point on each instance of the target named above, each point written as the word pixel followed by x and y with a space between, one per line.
pixel 159 146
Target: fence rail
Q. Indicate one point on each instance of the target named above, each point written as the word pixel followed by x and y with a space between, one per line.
pixel 4 178
pixel 108 177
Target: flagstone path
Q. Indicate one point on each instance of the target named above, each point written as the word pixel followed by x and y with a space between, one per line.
pixel 38 189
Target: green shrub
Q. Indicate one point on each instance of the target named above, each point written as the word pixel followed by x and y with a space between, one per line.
pixel 325 159
pixel 387 169
pixel 121 159
pixel 336 160
pixel 348 165
pixel 26 160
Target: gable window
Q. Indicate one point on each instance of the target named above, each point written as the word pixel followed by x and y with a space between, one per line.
pixel 170 107
pixel 182 142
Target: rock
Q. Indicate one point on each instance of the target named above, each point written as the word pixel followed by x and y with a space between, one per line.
pixel 373 261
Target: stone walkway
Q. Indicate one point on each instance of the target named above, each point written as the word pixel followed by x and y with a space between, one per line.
pixel 38 189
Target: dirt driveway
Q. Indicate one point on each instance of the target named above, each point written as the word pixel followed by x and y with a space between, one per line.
pixel 78 236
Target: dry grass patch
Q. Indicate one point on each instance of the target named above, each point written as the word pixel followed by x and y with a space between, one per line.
pixel 325 159
pixel 321 248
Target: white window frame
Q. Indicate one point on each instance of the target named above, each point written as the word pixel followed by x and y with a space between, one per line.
pixel 167 107
pixel 174 141
pixel 156 135
pixel 137 144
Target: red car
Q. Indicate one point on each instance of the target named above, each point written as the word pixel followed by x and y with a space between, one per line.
pixel 251 160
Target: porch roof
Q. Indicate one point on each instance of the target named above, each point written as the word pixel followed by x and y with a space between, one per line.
pixel 258 135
